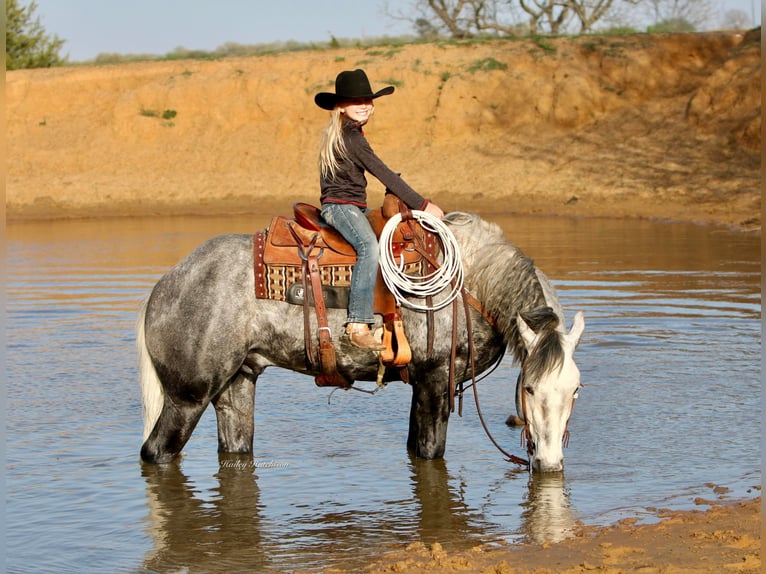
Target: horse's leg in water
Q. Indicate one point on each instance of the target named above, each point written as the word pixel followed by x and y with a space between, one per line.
pixel 429 415
pixel 234 410
pixel 172 430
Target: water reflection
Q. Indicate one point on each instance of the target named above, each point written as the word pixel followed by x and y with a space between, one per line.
pixel 210 534
pixel 223 528
pixel 547 515
pixel 443 513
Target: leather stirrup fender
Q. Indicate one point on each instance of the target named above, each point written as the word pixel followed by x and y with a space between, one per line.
pixel 387 355
pixel 397 352
pixel 403 351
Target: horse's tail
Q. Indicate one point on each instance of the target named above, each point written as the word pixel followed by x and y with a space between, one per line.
pixel 152 396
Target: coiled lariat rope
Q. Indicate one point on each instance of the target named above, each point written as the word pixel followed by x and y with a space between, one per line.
pixel 448 274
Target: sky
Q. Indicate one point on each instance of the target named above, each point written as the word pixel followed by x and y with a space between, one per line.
pixel 93 27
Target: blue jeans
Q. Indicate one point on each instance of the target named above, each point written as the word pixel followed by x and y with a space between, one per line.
pixel 350 221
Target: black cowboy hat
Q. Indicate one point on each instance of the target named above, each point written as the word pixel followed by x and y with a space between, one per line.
pixel 349 85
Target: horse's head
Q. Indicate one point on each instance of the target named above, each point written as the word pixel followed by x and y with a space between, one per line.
pixel 547 391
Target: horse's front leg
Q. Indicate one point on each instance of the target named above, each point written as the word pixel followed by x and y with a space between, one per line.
pixel 429 415
pixel 234 410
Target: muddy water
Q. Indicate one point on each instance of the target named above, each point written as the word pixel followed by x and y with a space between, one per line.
pixel 670 412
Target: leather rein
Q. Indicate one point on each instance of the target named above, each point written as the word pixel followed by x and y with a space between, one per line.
pixel 473 302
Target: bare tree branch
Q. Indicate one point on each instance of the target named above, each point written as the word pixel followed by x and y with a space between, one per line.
pixel 552 14
pixel 469 18
pixel 450 16
pixel 589 12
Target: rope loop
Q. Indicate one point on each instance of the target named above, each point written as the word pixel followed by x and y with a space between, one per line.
pixel 448 275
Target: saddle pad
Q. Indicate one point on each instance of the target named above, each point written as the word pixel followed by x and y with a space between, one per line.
pixel 279 278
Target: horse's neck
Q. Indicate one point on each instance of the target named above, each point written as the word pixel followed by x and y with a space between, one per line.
pixel 508 282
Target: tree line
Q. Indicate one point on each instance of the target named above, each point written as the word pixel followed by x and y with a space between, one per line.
pixel 510 18
pixel 27 45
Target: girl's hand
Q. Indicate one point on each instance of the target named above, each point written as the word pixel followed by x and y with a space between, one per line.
pixel 434 210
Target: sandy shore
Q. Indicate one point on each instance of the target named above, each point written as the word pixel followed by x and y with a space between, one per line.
pixel 723 538
pixel 663 127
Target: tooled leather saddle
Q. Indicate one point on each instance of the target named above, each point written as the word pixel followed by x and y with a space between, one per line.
pixel 303 260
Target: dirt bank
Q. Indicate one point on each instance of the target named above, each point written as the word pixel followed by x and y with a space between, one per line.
pixel 643 126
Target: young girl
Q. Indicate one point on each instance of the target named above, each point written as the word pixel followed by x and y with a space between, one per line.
pixel 344 157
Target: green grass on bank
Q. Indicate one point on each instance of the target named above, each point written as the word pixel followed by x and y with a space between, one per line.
pixel 235 50
pixel 386 46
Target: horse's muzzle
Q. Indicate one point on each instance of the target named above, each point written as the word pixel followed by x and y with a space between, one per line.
pixel 539 465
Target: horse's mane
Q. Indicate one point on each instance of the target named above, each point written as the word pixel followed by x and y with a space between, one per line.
pixel 505 280
pixel 548 354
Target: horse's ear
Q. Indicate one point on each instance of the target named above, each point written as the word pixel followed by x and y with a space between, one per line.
pixel 578 326
pixel 526 332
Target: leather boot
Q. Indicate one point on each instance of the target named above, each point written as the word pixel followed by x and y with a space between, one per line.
pixel 359 335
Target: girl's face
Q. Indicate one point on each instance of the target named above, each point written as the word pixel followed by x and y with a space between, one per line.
pixel 359 109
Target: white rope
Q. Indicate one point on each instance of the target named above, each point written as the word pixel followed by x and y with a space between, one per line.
pixel 403 285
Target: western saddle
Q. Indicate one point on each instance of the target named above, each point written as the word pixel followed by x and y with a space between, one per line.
pixel 303 260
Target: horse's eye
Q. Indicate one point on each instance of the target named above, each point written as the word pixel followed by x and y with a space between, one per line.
pixel 530 390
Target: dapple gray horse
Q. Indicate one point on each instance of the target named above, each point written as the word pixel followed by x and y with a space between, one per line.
pixel 204 337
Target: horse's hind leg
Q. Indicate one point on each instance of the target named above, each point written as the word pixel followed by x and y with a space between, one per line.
pixel 171 431
pixel 234 409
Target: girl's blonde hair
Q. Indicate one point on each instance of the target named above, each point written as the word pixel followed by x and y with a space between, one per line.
pixel 332 150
